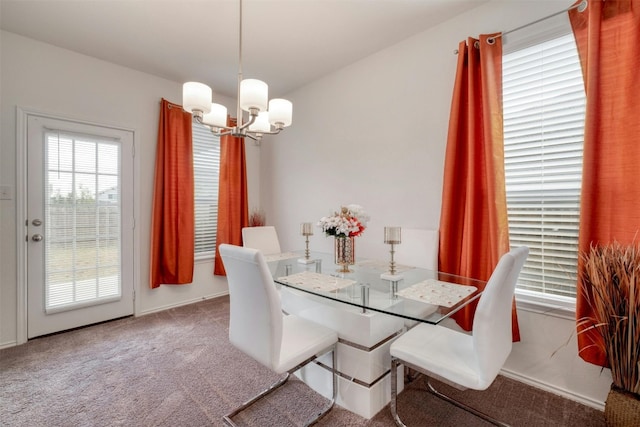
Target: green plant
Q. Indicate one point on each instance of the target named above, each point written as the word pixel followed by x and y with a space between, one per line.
pixel 612 274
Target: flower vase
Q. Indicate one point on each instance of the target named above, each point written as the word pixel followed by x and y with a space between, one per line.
pixel 345 253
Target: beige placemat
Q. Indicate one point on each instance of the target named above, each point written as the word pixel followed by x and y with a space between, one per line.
pixel 383 265
pixel 281 256
pixel 316 281
pixel 435 292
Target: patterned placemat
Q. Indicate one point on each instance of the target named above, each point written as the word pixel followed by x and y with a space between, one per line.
pixel 281 256
pixel 383 265
pixel 435 292
pixel 316 281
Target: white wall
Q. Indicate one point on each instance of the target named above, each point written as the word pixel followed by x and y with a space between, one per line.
pixel 44 78
pixel 374 133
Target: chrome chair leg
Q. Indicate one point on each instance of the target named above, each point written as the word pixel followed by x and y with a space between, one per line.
pixel 394 396
pixel 245 405
pixel 393 404
pixel 334 380
pixel 431 389
pixel 281 382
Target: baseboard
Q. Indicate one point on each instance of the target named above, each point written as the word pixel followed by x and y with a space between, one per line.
pixel 181 303
pixel 8 344
pixel 553 389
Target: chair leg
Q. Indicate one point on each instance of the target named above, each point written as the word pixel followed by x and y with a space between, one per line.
pixel 334 380
pixel 394 397
pixel 431 389
pixel 393 404
pixel 245 405
pixel 282 381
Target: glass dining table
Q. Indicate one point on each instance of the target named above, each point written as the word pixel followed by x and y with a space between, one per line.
pixel 414 294
pixel 368 308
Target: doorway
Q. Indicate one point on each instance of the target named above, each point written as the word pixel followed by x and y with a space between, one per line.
pixel 79 224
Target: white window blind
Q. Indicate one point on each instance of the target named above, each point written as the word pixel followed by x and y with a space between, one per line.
pixel 544 107
pixel 82 216
pixel 206 165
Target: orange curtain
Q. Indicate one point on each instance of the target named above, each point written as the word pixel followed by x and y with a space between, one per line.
pixel 474 230
pixel 608 39
pixel 172 218
pixel 233 206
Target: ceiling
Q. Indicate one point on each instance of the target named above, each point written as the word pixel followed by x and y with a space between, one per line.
pixel 286 43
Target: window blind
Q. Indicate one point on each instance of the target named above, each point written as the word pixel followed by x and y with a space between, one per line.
pixel 206 166
pixel 82 221
pixel 544 107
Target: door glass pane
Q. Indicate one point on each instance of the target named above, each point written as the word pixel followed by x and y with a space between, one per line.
pixel 82 221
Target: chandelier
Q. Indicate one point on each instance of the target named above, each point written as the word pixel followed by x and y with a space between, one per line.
pixel 265 117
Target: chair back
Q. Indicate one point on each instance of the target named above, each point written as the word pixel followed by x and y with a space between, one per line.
pixel 419 248
pixel 255 320
pixel 492 335
pixel 263 238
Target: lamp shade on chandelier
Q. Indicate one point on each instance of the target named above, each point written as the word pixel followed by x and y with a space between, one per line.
pixel 265 117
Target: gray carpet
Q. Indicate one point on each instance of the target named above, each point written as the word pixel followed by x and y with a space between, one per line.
pixel 177 368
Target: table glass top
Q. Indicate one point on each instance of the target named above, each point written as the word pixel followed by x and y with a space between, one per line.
pixel 412 293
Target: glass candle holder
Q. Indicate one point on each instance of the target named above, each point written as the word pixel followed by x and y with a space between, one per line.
pixel 392 236
pixel 306 229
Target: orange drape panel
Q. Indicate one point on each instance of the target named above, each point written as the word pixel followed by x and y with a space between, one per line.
pixel 474 230
pixel 233 206
pixel 172 219
pixel 608 39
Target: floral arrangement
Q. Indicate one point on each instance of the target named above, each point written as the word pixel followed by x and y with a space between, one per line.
pixel 350 221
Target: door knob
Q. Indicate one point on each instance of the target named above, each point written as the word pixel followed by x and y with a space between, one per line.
pixel 36 237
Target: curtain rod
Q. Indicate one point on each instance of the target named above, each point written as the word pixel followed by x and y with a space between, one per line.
pixel 582 6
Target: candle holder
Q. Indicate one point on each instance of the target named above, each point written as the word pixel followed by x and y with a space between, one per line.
pixel 306 229
pixel 392 237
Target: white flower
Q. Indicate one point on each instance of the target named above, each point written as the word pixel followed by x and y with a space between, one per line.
pixel 351 220
pixel 358 212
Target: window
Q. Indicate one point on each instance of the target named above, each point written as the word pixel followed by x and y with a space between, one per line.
pixel 544 107
pixel 83 239
pixel 206 167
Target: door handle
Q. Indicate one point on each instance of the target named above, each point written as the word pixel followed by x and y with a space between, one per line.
pixel 36 237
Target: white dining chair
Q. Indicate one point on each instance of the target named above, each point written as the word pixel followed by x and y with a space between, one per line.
pixel 264 238
pixel 464 360
pixel 258 328
pixel 419 248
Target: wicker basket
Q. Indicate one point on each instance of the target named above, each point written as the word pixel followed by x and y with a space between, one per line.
pixel 622 408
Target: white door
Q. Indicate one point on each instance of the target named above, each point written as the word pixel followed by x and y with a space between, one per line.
pixel 79 224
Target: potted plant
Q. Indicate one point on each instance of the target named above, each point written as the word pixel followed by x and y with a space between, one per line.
pixel 257 218
pixel 612 273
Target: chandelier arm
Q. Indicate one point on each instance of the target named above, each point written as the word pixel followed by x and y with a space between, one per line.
pixel 271 132
pixel 252 118
pixel 197 116
pixel 220 131
pixel 254 137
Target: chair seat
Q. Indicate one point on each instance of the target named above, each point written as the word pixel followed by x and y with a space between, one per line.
pixel 454 359
pixel 302 339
